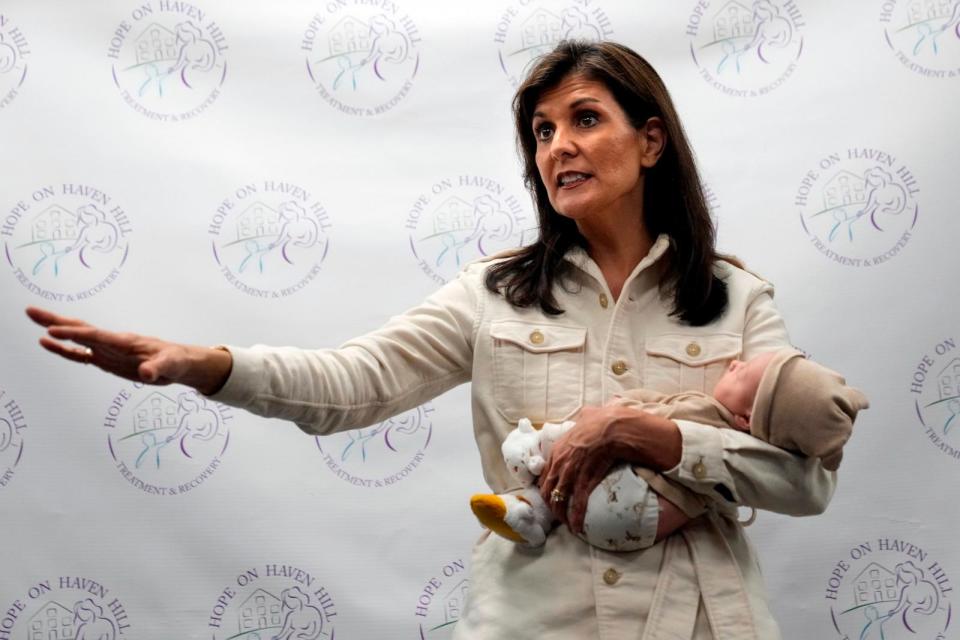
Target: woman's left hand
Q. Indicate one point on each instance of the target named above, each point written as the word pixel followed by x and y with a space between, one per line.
pixel 603 437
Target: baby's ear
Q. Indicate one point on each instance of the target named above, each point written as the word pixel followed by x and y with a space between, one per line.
pixel 741 422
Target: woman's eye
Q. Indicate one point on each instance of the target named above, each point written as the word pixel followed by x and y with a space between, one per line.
pixel 588 120
pixel 544 132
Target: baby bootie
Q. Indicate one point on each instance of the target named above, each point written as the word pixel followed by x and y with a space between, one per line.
pixel 522 517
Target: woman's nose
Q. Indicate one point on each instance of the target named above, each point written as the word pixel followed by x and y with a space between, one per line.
pixel 562 144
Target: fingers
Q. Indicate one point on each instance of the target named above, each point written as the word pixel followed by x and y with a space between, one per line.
pixel 161 366
pixel 555 486
pixel 149 371
pixel 572 478
pixel 79 334
pixel 548 481
pixel 48 318
pixel 86 334
pixel 589 478
pixel 74 354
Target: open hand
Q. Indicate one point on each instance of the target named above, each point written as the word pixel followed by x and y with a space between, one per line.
pixel 132 356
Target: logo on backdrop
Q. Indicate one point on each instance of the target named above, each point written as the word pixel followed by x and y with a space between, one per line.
pixel 441 601
pixel 362 60
pixel 273 601
pixel 744 48
pixel 382 454
pixel 462 219
pixel 270 238
pixel 14 54
pixel 168 60
pixel 858 207
pixel 12 424
pixel 527 30
pixel 924 35
pixel 935 386
pixel 66 242
pixel 166 441
pixel 889 589
pixel 66 607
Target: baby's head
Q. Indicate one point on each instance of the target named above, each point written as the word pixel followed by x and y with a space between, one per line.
pixel 737 388
pixel 785 399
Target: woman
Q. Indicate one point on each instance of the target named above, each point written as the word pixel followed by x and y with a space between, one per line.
pixel 623 289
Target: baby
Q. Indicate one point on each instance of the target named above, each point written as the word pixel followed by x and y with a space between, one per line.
pixel 779 397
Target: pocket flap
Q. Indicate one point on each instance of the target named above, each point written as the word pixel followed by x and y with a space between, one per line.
pixel 696 351
pixel 539 338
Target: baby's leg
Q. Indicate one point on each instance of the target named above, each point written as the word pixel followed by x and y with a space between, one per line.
pixel 624 513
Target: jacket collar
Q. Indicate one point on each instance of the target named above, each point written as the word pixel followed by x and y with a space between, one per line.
pixel 579 257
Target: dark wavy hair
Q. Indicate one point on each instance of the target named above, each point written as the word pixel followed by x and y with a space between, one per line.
pixel 673 199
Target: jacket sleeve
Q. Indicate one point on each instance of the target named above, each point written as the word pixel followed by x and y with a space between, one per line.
pixel 414 357
pixel 735 468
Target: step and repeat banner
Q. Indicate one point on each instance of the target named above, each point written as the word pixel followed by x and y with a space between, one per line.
pixel 297 171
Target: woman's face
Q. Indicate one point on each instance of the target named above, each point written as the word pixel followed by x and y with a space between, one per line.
pixel 589 155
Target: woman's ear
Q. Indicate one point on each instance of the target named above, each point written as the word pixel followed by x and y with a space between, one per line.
pixel 653 138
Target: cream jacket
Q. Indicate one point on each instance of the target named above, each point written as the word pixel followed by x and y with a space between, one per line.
pixel 703 583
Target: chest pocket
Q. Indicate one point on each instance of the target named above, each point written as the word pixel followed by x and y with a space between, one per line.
pixel 678 362
pixel 537 370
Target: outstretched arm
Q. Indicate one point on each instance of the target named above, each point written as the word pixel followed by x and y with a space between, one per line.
pixel 413 358
pixel 132 356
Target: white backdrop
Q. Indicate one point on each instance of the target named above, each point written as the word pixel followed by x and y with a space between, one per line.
pixel 295 172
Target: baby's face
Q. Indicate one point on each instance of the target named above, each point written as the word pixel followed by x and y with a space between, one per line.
pixel 738 386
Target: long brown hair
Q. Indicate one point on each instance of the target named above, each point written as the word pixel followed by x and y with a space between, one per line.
pixel 673 201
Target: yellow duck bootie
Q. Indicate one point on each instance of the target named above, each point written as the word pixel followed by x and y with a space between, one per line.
pixel 522 518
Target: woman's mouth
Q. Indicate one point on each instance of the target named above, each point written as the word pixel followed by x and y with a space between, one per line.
pixel 571 179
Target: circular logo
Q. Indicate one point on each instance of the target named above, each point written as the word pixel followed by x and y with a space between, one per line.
pixel 270 238
pixel 935 385
pixel 12 424
pixel 66 607
pixel 858 208
pixel 441 601
pixel 382 454
pixel 273 601
pixel 166 442
pixel 168 60
pixel 889 589
pixel 463 219
pixel 362 59
pixel 14 53
pixel 527 30
pixel 743 48
pixel 924 35
pixel 67 242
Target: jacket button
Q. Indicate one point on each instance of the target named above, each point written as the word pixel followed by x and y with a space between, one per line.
pixel 604 301
pixel 693 349
pixel 611 576
pixel 700 470
pixel 536 337
pixel 619 367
